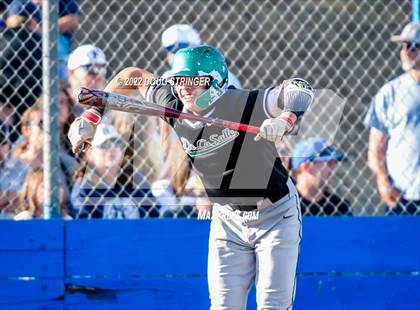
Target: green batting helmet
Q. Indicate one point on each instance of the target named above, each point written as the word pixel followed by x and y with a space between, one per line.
pixel 203 60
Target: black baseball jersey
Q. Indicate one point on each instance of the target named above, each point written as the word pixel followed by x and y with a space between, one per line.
pixel 234 168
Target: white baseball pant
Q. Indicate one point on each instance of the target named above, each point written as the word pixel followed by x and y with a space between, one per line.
pixel 263 250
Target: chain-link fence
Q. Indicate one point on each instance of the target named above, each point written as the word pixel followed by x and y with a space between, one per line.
pixel 343 46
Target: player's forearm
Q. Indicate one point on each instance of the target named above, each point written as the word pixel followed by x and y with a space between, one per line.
pixel 293 96
pixel 130 81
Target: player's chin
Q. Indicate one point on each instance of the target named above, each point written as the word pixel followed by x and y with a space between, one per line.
pixel 192 107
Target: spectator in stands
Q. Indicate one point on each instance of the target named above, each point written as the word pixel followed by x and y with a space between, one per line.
pixel 86 68
pixel 4 142
pixel 108 187
pixel 20 60
pixel 314 163
pixel 65 117
pixel 394 121
pixel 6 115
pixel 7 197
pixel 27 155
pixel 6 127
pixel 31 198
pixel 68 21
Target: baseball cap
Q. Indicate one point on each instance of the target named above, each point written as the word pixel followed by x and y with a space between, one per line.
pixel 180 36
pixel 314 149
pixel 410 33
pixel 86 55
pixel 104 133
pixel 24 8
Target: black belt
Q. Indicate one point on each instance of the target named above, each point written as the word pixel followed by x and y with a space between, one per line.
pixel 276 196
pixel 233 196
pixel 244 208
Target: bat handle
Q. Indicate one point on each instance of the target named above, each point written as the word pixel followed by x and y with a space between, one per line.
pixel 251 129
pixel 241 127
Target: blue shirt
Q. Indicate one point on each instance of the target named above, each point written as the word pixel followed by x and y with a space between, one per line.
pixel 395 111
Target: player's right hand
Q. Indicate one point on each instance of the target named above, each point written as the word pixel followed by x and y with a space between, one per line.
pixel 83 129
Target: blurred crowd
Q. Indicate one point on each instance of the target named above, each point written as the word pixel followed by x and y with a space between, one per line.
pixel 124 174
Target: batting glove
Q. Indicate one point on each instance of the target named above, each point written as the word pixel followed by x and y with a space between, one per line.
pixel 82 130
pixel 273 129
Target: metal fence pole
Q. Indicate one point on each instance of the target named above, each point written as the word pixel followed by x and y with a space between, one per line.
pixel 50 92
pixel 416 10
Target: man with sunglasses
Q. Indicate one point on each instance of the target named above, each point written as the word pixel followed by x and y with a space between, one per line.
pixel 86 68
pixel 314 163
pixel 394 121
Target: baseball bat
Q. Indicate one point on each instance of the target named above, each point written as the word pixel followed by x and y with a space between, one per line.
pixel 106 100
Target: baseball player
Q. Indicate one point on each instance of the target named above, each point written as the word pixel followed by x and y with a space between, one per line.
pixel 256 223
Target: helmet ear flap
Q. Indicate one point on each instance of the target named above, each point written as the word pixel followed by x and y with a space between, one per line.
pixel 208 97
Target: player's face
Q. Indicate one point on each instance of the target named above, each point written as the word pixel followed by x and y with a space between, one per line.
pixel 188 94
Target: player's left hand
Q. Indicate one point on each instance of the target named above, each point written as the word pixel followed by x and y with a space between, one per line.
pixel 273 129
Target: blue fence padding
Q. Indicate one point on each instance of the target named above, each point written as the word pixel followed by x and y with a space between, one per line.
pixel 31 264
pixel 314 292
pixel 31 235
pixel 137 293
pixel 28 293
pixel 346 263
pixel 361 244
pixel 416 10
pixel 147 247
pixel 329 244
pixel 361 292
pixel 31 249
